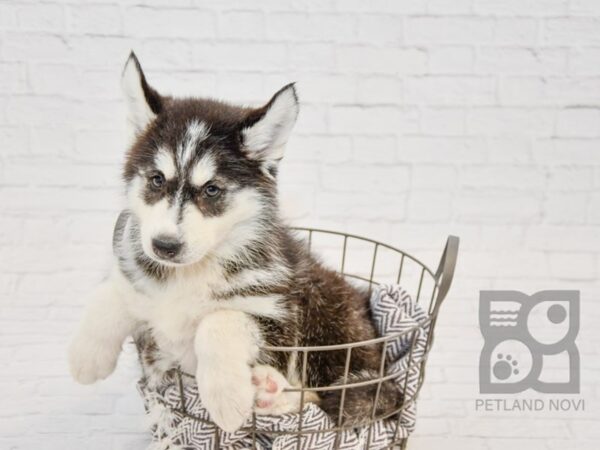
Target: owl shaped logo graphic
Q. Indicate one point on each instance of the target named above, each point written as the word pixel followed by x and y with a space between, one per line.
pixel 529 342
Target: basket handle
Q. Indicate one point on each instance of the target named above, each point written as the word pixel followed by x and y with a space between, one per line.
pixel 445 270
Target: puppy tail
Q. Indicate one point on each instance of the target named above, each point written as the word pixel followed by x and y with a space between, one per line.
pixel 359 401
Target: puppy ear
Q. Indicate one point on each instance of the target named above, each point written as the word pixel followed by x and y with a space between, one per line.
pixel 267 129
pixel 143 102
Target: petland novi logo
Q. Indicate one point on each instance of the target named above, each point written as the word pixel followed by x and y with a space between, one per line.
pixel 529 343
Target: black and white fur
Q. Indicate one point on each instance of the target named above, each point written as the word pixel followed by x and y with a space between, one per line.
pixel 206 272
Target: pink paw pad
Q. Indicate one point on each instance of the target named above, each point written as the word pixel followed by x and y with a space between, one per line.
pixel 268 387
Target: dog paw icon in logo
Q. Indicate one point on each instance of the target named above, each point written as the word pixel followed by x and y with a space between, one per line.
pixel 523 334
pixel 505 366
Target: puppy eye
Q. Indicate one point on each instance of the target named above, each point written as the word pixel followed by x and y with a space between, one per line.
pixel 211 190
pixel 157 180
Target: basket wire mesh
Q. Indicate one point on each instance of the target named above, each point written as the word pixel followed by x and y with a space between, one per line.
pixel 438 284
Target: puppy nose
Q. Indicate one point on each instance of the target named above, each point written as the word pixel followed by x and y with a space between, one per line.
pixel 167 247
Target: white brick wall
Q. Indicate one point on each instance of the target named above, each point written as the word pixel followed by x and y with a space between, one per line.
pixel 419 118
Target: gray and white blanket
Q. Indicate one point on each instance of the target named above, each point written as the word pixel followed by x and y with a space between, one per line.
pixel 394 311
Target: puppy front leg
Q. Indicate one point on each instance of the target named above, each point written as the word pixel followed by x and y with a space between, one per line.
pixel 226 345
pixel 96 346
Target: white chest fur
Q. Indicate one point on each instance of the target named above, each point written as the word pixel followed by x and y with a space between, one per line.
pixel 173 309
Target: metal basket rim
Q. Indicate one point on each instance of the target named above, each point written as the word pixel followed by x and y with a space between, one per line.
pixel 316 348
pixel 373 241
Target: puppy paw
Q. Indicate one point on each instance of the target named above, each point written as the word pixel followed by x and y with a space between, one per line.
pixel 228 397
pixel 91 360
pixel 271 399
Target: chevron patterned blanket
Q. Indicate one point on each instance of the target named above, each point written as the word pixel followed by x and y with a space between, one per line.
pixel 393 311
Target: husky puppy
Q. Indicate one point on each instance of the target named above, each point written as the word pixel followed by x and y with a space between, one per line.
pixel 206 272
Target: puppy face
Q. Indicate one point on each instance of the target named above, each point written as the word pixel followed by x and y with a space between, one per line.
pixel 200 175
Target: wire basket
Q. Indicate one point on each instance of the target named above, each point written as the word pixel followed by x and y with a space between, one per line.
pixel 368 263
